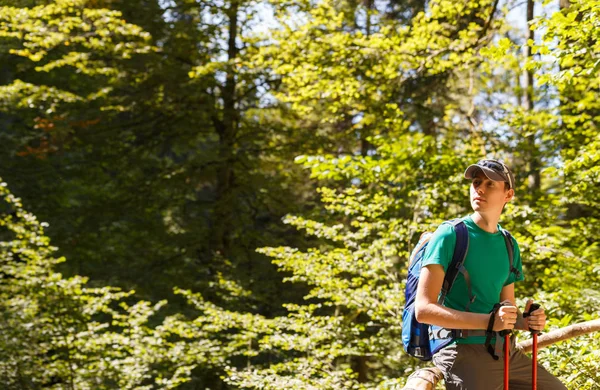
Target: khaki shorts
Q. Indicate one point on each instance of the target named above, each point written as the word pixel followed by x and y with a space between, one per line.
pixel 471 367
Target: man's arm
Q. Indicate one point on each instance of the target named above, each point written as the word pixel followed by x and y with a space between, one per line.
pixel 428 311
pixel 508 294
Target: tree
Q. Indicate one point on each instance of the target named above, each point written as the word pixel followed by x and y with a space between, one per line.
pixel 353 308
pixel 147 156
pixel 348 274
pixel 59 333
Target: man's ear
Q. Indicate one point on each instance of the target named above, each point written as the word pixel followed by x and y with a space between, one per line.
pixel 509 195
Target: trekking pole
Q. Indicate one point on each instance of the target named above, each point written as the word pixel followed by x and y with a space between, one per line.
pixel 506 334
pixel 534 334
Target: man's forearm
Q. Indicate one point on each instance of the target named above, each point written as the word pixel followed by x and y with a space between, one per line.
pixel 436 314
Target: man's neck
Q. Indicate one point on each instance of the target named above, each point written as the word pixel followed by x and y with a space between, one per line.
pixel 486 222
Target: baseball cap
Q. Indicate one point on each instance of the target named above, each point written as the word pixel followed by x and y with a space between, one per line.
pixel 495 170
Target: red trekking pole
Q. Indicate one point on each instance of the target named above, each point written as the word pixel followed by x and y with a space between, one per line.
pixel 534 334
pixel 506 357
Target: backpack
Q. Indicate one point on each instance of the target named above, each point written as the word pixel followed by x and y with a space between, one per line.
pixel 423 340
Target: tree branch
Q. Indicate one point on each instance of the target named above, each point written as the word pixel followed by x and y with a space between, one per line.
pixel 561 334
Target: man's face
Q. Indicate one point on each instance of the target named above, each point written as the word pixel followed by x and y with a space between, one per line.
pixel 488 195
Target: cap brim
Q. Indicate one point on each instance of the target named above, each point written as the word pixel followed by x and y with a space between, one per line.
pixel 490 173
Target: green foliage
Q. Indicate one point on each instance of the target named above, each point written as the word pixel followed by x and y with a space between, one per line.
pixel 407 185
pixel 108 138
pixel 578 36
pixel 353 310
pixel 64 33
pixel 58 333
pixel 163 162
pixel 353 74
pixel 574 360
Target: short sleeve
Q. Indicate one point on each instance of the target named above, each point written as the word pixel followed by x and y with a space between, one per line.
pixel 440 247
pixel 517 264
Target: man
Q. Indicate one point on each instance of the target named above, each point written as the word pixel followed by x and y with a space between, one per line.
pixel 467 364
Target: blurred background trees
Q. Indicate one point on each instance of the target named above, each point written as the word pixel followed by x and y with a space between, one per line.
pixel 164 142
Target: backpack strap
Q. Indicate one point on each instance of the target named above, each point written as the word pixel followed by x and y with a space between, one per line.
pixel 495 350
pixel 490 332
pixel 511 253
pixel 456 266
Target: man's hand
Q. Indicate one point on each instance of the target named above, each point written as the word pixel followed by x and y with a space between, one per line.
pixel 537 318
pixel 506 317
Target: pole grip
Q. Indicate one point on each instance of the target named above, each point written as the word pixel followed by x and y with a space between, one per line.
pixel 532 308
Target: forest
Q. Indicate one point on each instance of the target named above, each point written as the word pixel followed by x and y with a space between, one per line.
pixel 223 194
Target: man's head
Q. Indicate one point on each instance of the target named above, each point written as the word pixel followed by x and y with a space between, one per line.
pixel 492 185
pixel 495 170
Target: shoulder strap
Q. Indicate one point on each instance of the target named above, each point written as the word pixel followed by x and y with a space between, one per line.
pixel 458 258
pixel 511 252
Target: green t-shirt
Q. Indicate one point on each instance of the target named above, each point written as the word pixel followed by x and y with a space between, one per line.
pixel 487 264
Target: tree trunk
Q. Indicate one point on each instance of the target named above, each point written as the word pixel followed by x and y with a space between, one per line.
pixel 534 158
pixel 424 379
pixel 226 130
pixel 359 363
pixel 564 4
pixel 365 145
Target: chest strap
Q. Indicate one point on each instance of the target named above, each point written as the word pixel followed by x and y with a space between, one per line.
pixel 442 333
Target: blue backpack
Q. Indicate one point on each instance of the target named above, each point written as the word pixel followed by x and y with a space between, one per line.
pixel 423 340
